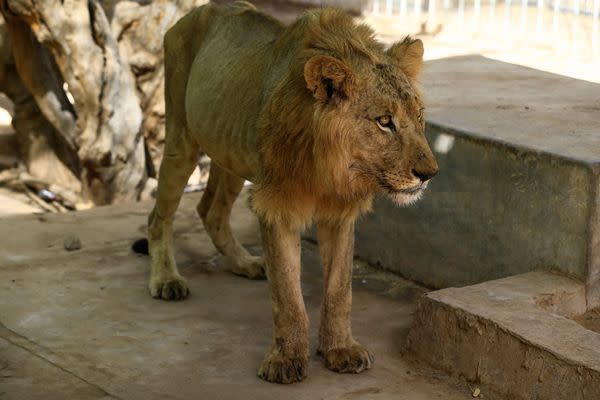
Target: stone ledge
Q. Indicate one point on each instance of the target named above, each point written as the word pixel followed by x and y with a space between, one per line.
pixel 509 336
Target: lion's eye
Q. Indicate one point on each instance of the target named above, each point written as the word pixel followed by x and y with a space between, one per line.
pixel 385 123
pixel 385 120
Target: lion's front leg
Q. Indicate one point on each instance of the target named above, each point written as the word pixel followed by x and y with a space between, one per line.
pixel 180 158
pixel 165 280
pixel 336 345
pixel 287 360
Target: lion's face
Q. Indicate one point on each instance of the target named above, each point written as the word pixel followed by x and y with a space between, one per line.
pixel 378 114
pixel 386 125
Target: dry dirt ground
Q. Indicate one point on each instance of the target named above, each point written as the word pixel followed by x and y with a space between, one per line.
pixel 81 325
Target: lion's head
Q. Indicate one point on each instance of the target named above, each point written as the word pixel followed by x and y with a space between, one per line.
pixel 369 115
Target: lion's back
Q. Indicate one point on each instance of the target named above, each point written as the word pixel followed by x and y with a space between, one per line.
pixel 231 51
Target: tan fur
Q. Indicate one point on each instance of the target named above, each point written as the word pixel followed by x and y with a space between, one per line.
pixel 297 111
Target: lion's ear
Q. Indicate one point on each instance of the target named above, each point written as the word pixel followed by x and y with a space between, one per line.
pixel 408 55
pixel 327 78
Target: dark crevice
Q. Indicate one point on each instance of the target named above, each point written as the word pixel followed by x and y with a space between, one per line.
pixel 126 28
pixel 100 41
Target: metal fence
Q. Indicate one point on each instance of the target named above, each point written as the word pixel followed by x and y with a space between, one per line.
pixel 561 24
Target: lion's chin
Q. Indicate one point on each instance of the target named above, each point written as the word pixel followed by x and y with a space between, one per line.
pixel 404 199
pixel 407 197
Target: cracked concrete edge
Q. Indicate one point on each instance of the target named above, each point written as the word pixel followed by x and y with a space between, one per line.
pixel 80 369
pixel 506 348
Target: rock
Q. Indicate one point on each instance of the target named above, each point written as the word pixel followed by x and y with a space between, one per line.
pixel 72 242
pixel 140 246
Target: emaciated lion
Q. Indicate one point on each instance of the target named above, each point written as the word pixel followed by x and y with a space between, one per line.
pixel 320 118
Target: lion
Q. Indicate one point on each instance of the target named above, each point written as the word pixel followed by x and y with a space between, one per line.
pixel 320 118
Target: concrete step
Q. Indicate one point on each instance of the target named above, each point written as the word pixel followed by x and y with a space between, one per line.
pixel 513 336
pixel 518 189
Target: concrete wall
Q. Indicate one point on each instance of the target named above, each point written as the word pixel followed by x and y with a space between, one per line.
pixel 519 181
pixel 493 211
pixel 593 259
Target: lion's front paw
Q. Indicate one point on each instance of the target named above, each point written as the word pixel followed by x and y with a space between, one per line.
pixel 351 359
pixel 169 289
pixel 279 369
pixel 251 267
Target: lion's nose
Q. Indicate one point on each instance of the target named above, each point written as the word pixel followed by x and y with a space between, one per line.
pixel 424 176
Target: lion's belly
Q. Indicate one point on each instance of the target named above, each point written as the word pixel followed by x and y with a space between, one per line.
pixel 224 96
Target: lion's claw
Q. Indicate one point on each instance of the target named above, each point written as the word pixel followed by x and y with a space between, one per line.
pixel 352 359
pixel 173 289
pixel 279 369
pixel 250 267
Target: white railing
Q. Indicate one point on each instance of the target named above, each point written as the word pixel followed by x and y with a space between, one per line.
pixel 566 26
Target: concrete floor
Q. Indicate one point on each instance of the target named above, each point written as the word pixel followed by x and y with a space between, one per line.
pixel 81 325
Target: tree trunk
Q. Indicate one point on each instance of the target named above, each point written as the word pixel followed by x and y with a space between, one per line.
pixel 140 28
pixel 42 149
pixel 70 42
pixel 94 69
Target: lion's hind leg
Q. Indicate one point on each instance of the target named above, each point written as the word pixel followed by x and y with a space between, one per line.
pixel 215 210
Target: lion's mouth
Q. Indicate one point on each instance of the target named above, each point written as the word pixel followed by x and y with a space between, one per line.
pixel 404 196
pixel 407 191
pixel 410 191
